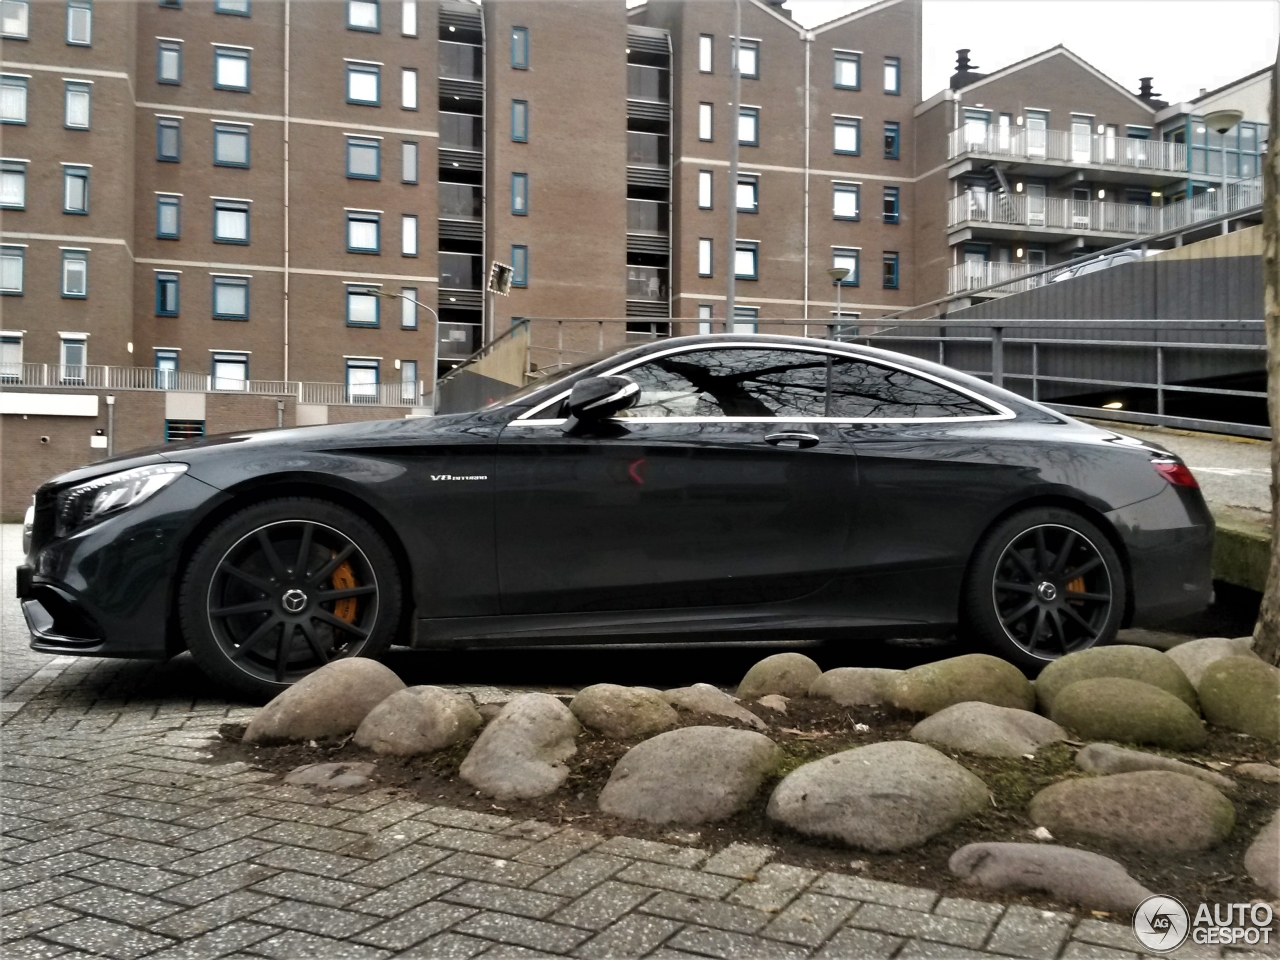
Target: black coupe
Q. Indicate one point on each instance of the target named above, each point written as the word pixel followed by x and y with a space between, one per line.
pixel 703 488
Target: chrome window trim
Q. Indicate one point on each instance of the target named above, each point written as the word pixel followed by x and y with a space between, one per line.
pixel 1004 413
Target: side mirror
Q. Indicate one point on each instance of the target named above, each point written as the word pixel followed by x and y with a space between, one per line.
pixel 599 398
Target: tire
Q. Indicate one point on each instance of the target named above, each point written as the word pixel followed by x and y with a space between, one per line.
pixel 259 619
pixel 1043 582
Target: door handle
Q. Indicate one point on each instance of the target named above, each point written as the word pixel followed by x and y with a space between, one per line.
pixel 793 438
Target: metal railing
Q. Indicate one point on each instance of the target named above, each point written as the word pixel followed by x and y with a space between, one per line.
pixel 975 274
pixel 1061 146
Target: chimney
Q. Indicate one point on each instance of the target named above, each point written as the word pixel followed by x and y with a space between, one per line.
pixel 778 6
pixel 965 74
pixel 1145 93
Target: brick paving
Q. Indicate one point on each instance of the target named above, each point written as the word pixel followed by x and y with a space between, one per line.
pixel 121 840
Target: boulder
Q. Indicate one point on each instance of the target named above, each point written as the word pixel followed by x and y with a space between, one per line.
pixel 789 674
pixel 1152 810
pixel 1262 859
pixel 1266 772
pixel 989 730
pixel 975 676
pixel 331 776
pixel 1123 660
pixel 521 753
pixel 884 797
pixel 418 720
pixel 1195 656
pixel 1093 881
pixel 856 686
pixel 1242 695
pixel 1112 708
pixel 704 698
pixel 622 713
pixel 689 776
pixel 332 702
pixel 1108 758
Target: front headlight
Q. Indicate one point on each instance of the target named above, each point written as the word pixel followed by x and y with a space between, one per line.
pixel 28 525
pixel 90 502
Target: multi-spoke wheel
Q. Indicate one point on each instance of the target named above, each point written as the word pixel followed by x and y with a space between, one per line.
pixel 283 588
pixel 1044 583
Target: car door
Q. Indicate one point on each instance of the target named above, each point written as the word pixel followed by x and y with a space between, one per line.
pixel 724 486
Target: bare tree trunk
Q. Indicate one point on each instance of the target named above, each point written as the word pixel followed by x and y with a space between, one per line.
pixel 1266 635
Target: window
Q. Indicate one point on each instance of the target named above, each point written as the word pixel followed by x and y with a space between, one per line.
pixel 748 195
pixel 364 81
pixel 76 102
pixel 169 62
pixel 408 89
pixel 409 161
pixel 846 201
pixel 746 260
pixel 12 261
pixel 230 221
pixel 861 390
pixel 13 186
pixel 409 235
pixel 168 217
pixel 519 265
pixel 364 158
pixel 230 145
pixel 520 194
pixel 74 355
pixel 520 121
pixel 704 318
pixel 362 381
pixel 13 99
pixel 704 257
pixel 166 294
pixel 704 189
pixel 168 141
pixel 166 363
pixel 749 58
pixel 14 16
pixel 171 4
pixel 408 308
pixel 10 357
pixel 363 231
pixel 891 204
pixel 75 190
pixel 848 258
pixel 749 126
pixel 408 381
pixel 363 15
pixel 230 371
pixel 236 8
pixel 745 320
pixel 733 382
pixel 180 431
pixel 704 121
pixel 231 298
pixel 75 274
pixel 892 75
pixel 706 45
pixel 409 18
pixel 80 22
pixel 230 68
pixel 520 48
pixel 848 135
pixel 848 70
pixel 363 307
pixel 891 134
pixel 890 271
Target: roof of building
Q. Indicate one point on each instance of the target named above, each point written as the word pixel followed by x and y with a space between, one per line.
pixel 1234 83
pixel 1055 51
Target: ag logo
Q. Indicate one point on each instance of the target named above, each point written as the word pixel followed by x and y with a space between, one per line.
pixel 1160 923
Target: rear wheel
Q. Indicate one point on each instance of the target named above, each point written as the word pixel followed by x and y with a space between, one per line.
pixel 1043 583
pixel 284 587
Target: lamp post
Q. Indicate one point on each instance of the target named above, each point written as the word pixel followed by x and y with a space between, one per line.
pixel 1220 121
pixel 838 274
pixel 435 339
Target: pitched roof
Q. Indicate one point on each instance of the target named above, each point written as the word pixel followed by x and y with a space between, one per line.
pixel 1060 51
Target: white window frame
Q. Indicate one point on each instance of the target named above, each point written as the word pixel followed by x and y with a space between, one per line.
pixel 77 88
pixel 80 257
pixel 853 190
pixel 80 24
pixel 225 361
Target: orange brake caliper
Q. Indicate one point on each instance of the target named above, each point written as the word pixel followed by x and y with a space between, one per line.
pixel 343 579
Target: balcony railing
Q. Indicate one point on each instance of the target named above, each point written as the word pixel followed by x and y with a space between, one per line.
pixel 647 216
pixel 461 131
pixel 647 149
pixel 1060 146
pixel 460 201
pixel 648 83
pixel 972 275
pixel 461 271
pixel 646 283
pixel 460 61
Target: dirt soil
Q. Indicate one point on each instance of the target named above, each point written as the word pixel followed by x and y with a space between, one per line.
pixel 809 730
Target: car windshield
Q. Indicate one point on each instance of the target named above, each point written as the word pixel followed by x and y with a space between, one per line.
pixel 554 377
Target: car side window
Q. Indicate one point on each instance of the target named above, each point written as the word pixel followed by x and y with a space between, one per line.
pixel 732 382
pixel 864 390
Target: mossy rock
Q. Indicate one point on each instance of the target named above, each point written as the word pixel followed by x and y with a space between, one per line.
pixel 789 674
pixel 1243 694
pixel 976 676
pixel 1127 711
pixel 1130 662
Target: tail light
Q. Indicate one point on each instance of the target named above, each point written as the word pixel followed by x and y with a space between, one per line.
pixel 1176 472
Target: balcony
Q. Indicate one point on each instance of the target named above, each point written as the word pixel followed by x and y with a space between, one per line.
pixel 460 201
pixel 461 271
pixel 652 84
pixel 460 61
pixel 647 216
pixel 973 275
pixel 458 340
pixel 647 149
pixel 1050 149
pixel 647 283
pixel 461 131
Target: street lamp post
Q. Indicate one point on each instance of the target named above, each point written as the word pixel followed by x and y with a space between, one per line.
pixel 1220 121
pixel 435 339
pixel 838 275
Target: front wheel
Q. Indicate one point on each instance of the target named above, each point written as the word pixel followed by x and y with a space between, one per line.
pixel 1043 583
pixel 283 587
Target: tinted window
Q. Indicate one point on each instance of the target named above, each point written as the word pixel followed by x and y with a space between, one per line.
pixel 861 389
pixel 732 383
